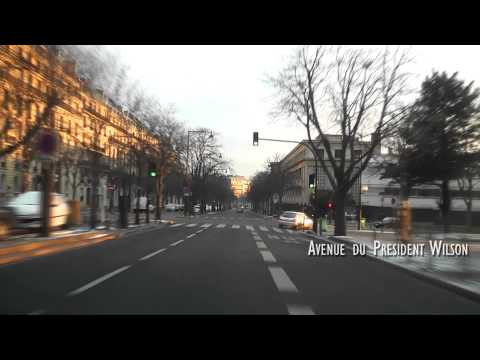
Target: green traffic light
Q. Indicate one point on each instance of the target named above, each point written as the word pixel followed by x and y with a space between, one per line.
pixel 152 174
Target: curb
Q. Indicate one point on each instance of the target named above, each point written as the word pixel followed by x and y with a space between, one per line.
pixel 472 295
pixel 21 252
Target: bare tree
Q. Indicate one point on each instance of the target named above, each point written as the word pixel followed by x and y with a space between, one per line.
pixel 356 91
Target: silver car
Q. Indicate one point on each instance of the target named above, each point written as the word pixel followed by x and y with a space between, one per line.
pixel 26 209
pixel 295 220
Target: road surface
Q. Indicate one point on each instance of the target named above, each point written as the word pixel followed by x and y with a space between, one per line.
pixel 224 263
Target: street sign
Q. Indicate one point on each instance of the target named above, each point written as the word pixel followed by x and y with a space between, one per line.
pixel 47 143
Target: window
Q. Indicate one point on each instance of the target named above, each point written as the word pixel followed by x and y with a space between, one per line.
pixel 338 154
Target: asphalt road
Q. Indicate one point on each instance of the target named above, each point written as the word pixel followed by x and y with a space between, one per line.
pixel 225 263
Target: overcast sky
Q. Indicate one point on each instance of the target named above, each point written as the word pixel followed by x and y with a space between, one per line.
pixel 223 88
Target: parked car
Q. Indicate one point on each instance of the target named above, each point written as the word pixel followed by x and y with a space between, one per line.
pixel 388 222
pixel 295 220
pixel 26 209
pixel 180 207
pixel 196 209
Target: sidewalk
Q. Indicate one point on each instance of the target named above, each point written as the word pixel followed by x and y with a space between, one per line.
pixel 458 273
pixel 27 246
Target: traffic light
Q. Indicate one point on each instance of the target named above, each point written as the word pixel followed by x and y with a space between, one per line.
pixel 311 181
pixel 255 138
pixel 329 205
pixel 152 170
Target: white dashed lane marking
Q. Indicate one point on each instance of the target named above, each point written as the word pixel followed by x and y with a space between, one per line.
pixel 152 254
pixel 189 236
pixel 281 279
pixel 235 226
pixel 180 224
pixel 261 245
pixel 299 310
pixel 206 225
pixel 176 242
pixel 268 256
pixel 98 281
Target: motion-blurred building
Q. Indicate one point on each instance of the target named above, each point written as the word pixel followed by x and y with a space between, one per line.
pixel 84 119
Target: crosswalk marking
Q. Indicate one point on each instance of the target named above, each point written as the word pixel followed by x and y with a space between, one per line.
pixel 180 224
pixel 273 237
pixel 249 227
pixel 290 231
pixel 263 228
pixel 235 226
pixel 191 225
pixel 221 225
pixel 206 225
pixel 278 230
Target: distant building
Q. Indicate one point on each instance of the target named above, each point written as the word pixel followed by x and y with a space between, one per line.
pixel 240 186
pixel 299 164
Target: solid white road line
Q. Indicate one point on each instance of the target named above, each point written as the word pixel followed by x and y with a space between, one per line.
pixel 235 226
pixel 189 236
pixel 281 279
pixel 221 225
pixel 98 281
pixel 261 245
pixel 268 256
pixel 206 225
pixel 180 224
pixel 300 310
pixel 177 242
pixel 191 225
pixel 277 230
pixel 249 227
pixel 152 254
pixel 263 228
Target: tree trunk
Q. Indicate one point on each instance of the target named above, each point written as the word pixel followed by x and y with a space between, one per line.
pixel 340 226
pixel 93 208
pixel 469 205
pixel 445 206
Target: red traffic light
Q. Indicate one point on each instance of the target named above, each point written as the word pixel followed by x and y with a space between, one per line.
pixel 329 205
